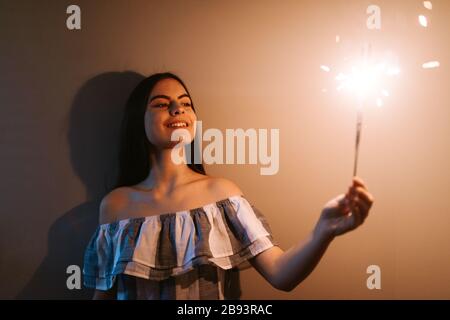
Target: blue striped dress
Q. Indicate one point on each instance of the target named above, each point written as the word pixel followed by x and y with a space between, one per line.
pixel 192 254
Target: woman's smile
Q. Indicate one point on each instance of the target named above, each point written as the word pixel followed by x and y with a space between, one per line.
pixel 177 124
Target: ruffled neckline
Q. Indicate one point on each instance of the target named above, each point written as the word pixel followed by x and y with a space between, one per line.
pixel 225 234
pixel 174 213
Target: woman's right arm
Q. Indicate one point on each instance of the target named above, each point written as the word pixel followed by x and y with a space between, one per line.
pixel 286 269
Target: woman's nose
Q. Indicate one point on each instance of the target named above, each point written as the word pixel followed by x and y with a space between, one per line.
pixel 176 108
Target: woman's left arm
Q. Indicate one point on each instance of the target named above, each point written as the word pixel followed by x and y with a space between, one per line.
pixel 284 270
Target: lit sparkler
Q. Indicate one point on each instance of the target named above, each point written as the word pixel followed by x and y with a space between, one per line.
pixel 365 82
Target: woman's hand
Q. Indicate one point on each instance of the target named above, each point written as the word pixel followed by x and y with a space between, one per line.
pixel 345 212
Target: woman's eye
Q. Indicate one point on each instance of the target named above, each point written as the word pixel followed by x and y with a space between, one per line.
pixel 161 105
pixel 187 104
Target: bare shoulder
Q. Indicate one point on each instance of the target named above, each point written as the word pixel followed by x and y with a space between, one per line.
pixel 112 204
pixel 222 188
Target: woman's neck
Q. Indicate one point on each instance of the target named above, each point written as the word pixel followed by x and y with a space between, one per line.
pixel 165 175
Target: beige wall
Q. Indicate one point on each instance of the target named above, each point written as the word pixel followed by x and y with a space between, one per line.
pixel 248 64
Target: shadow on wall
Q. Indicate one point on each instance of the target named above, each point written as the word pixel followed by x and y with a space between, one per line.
pixel 93 136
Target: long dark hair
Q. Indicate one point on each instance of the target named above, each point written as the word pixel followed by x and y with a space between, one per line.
pixel 135 148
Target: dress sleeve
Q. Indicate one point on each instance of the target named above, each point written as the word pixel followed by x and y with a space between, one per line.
pixel 109 251
pixel 248 234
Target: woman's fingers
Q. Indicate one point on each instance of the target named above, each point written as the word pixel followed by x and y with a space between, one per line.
pixel 363 208
pixel 360 191
pixel 358 182
pixel 344 205
pixel 356 217
pixel 354 205
pixel 364 195
pixel 358 201
pixel 360 210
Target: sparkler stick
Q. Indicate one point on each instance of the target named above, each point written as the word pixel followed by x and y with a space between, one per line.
pixel 365 52
pixel 358 137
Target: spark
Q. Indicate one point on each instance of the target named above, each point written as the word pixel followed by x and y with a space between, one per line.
pixel 365 80
pixel 325 68
pixel 394 71
pixel 379 102
pixel 428 5
pixel 430 64
pixel 423 21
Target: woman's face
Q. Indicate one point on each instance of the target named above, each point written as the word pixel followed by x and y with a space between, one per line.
pixel 169 108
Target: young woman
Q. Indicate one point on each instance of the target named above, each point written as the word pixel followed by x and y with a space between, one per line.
pixel 169 231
